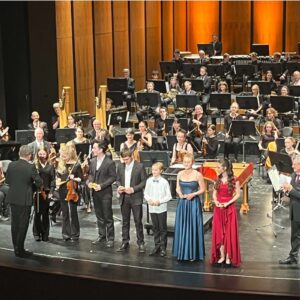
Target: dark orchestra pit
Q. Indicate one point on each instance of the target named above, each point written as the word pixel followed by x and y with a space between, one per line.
pixel 85 270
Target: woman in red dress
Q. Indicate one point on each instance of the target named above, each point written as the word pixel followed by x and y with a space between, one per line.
pixel 225 236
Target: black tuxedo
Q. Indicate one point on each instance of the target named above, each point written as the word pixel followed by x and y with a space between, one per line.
pixel 20 177
pixel 217 46
pixel 132 202
pixel 295 217
pixel 105 176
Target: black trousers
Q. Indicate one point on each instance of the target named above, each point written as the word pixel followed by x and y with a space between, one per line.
pixel 70 222
pixel 104 215
pixel 41 222
pixel 232 142
pixel 295 239
pixel 20 215
pixel 137 210
pixel 4 208
pixel 159 223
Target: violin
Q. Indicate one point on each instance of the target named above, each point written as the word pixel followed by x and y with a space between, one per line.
pixel 72 194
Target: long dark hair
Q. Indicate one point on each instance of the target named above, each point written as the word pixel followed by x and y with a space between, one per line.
pixel 226 164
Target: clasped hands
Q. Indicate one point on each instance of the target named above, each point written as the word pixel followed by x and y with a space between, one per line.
pixel 286 187
pixel 154 202
pixel 221 205
pixel 122 189
pixel 187 196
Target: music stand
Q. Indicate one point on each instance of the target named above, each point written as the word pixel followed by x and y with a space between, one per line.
pixel 148 99
pixel 275 67
pixel 215 70
pixel 24 137
pixel 159 85
pixel 117 84
pixel 187 101
pixel 197 84
pixel 83 149
pixel 220 101
pixel 292 66
pixel 116 118
pixel 171 141
pixel 265 87
pixel 260 49
pixel 167 67
pixel 148 158
pixel 118 140
pixel 64 135
pixel 294 90
pixel 280 144
pixel 282 104
pixel 247 102
pixel 207 48
pixel 191 69
pixel 116 96
pixel 245 70
pixel 243 128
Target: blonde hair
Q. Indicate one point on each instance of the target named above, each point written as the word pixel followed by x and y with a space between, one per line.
pixel 158 165
pixel 70 150
pixel 189 156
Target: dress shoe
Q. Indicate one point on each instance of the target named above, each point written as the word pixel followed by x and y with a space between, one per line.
pixel 288 261
pixel 142 248
pixel 74 240
pixel 45 239
pixel 37 238
pixel 163 253
pixel 66 239
pixel 24 254
pixel 109 244
pixel 154 251
pixel 123 247
pixel 99 240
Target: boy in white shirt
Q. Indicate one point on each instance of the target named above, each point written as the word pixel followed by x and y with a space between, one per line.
pixel 157 193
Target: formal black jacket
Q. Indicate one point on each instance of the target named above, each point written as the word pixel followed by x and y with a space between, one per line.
pixel 217 46
pixel 212 147
pixel 21 176
pixel 228 121
pixel 137 182
pixel 105 176
pixel 295 200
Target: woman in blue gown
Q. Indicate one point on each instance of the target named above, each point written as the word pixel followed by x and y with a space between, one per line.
pixel 188 241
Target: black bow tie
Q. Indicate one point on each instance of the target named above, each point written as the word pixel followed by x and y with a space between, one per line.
pixel 155 180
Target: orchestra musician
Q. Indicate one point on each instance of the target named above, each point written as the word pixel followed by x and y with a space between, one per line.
pixel 210 143
pixel 207 86
pixel 130 144
pixel 155 74
pixel 41 198
pixel 98 133
pixel 217 45
pixel 230 139
pixel 296 79
pixel 257 63
pixel 181 147
pixel 129 94
pixel 203 61
pixel 176 126
pixel 145 141
pixel 187 89
pixel 178 61
pixel 36 123
pixel 145 112
pixel 268 76
pixel 197 126
pixel 173 89
pixel 80 138
pixel 227 69
pixel 4 209
pixel 289 149
pixel 160 128
pixel 39 141
pixel 68 175
pixel 222 89
pixel 269 134
pixel 4 135
pixel 71 122
pixel 271 115
pixel 253 113
pixel 102 175
pixel 55 117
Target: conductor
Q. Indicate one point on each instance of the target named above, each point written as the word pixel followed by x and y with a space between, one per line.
pixel 20 177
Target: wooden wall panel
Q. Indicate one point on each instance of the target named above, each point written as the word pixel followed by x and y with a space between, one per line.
pixel 65 48
pixel 167 29
pixel 180 29
pixel 203 21
pixel 103 41
pixel 236 33
pixel 292 25
pixel 137 43
pixel 268 24
pixel 120 36
pixel 84 55
pixel 153 36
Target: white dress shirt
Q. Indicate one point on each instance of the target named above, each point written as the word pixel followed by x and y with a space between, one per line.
pixel 157 188
pixel 128 171
pixel 99 162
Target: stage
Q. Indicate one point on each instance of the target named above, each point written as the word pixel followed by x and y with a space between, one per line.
pixel 81 269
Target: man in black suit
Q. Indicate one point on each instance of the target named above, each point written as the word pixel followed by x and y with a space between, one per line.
pixel 217 46
pixel 131 180
pixel 36 123
pixel 102 175
pixel 129 94
pixel 293 191
pixel 39 142
pixel 98 133
pixel 20 177
pixel 207 86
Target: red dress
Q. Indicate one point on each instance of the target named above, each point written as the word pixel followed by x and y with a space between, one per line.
pixel 225 229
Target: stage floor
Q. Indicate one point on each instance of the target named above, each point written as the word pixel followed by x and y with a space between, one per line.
pixel 259 273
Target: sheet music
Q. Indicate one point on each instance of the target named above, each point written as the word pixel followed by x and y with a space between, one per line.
pixel 274 177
